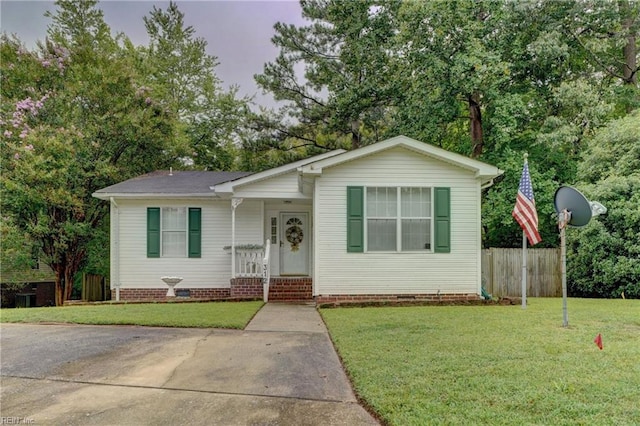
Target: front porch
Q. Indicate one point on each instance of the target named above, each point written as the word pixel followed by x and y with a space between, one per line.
pixel 252 277
pixel 281 268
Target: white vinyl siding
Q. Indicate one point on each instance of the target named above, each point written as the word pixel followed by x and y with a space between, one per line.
pixel 417 272
pixel 278 187
pixel 211 270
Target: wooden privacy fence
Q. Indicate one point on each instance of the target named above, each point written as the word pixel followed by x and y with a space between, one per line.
pixel 95 288
pixel 502 272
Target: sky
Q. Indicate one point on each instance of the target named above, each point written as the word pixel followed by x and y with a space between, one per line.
pixel 238 32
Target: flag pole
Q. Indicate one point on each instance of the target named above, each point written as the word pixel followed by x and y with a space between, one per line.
pixel 524 259
pixel 524 212
pixel 524 270
pixel 563 221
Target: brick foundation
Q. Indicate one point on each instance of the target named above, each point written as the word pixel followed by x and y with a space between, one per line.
pixel 285 289
pixel 161 293
pixel 246 287
pixel 338 299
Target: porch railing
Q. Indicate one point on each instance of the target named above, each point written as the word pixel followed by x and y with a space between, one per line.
pixel 249 262
pixel 266 268
pixel 253 261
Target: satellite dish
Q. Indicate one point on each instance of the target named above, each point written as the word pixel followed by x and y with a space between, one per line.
pixel 573 209
pixel 572 200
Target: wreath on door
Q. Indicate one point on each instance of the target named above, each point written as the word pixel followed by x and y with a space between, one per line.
pixel 294 234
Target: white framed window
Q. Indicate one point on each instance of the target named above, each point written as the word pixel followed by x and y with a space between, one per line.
pixel 398 218
pixel 174 231
pixel 274 230
pixel 382 219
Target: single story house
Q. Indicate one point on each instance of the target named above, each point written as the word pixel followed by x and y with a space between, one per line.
pixel 393 220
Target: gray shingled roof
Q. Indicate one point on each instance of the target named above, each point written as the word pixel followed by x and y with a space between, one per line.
pixel 176 182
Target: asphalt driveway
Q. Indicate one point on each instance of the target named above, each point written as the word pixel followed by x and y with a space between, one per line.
pixel 280 370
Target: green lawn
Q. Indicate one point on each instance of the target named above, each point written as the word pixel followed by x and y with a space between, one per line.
pixel 211 314
pixel 494 364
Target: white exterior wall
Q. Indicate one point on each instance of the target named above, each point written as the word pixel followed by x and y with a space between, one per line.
pixel 212 270
pixel 339 272
pixel 279 187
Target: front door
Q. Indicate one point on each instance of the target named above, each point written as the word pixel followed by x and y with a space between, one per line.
pixel 294 244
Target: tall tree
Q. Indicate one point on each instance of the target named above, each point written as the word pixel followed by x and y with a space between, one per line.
pixel 178 67
pixel 604 256
pixel 74 119
pixel 455 71
pixel 347 88
pixel 178 63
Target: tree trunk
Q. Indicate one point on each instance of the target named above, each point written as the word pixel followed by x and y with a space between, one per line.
pixel 64 282
pixel 68 284
pixel 355 134
pixel 475 125
pixel 59 287
pixel 66 266
pixel 630 66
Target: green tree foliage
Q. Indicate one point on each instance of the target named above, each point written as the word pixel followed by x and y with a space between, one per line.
pixel 74 119
pixel 178 63
pixel 16 253
pixel 498 226
pixel 183 75
pixel 604 257
pixel 456 71
pixel 17 262
pixel 334 75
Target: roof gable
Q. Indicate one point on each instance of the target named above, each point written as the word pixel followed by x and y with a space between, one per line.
pixel 482 170
pixel 230 187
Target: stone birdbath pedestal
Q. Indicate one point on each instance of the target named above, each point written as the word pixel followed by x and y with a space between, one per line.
pixel 171 282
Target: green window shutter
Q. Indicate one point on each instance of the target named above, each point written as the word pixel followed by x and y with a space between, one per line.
pixel 355 219
pixel 195 239
pixel 153 232
pixel 442 225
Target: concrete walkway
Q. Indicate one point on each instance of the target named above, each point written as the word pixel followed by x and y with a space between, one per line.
pixel 281 370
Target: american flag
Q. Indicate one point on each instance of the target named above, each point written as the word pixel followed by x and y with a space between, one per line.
pixel 524 211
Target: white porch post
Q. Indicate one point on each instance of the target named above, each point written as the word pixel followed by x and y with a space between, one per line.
pixel 115 247
pixel 235 202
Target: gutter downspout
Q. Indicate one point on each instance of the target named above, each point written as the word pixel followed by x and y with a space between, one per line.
pixel 481 289
pixel 115 247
